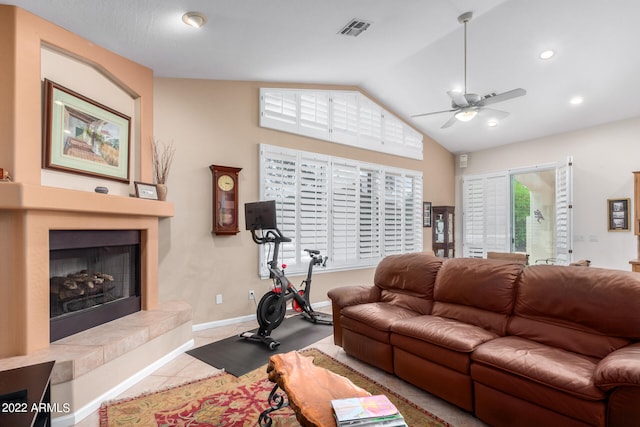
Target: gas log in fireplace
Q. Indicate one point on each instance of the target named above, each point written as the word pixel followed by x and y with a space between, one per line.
pixel 94 278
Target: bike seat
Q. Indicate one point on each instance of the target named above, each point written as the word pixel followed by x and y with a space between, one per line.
pixel 312 251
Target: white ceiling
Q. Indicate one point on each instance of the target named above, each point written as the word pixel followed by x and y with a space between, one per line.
pixel 409 57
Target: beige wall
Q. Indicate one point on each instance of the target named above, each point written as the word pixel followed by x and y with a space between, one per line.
pixel 604 158
pixel 216 122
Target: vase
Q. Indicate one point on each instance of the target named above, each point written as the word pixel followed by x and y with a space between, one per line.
pixel 162 191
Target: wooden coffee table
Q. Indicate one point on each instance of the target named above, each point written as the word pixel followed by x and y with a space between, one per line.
pixel 309 390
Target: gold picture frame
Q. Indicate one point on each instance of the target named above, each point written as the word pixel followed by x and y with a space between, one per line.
pixel 84 137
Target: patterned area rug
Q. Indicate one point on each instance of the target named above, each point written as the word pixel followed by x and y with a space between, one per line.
pixel 225 400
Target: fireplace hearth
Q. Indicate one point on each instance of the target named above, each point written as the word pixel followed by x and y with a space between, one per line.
pixel 94 278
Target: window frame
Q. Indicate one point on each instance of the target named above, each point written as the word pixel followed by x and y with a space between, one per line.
pixel 352 196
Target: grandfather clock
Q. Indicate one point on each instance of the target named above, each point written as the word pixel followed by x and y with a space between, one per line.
pixel 225 199
pixel 443 240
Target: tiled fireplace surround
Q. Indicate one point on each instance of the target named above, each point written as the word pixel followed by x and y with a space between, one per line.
pixel 92 363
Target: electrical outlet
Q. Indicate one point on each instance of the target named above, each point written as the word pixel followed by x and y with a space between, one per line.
pixel 219 299
pixel 252 295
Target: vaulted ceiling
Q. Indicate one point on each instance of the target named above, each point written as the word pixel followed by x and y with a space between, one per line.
pixel 409 57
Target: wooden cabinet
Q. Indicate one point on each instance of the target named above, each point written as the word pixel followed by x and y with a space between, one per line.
pixel 443 231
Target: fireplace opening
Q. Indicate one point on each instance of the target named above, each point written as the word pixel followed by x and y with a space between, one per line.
pixel 94 278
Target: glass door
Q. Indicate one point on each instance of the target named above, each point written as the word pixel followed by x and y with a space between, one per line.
pixel 533 214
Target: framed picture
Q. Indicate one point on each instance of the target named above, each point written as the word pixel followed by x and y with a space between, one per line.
pixel 146 191
pixel 618 210
pixel 84 137
pixel 426 214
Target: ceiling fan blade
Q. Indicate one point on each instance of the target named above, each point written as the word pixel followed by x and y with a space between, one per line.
pixel 496 114
pixel 449 122
pixel 458 98
pixel 504 96
pixel 434 112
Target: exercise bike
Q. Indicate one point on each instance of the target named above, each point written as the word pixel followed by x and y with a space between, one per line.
pixel 272 307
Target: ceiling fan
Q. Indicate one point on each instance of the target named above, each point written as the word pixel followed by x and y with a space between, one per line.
pixel 466 106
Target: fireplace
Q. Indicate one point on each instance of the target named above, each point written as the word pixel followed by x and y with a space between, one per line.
pixel 94 278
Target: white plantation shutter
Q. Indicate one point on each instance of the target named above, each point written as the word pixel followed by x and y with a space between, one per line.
pixel 564 214
pixel 344 117
pixel 393 134
pixel 413 140
pixel 314 114
pixel 313 204
pixel 412 214
pixel 369 123
pixel 485 214
pixel 497 208
pixel 279 110
pixel 280 182
pixel 393 209
pixel 355 213
pixel 344 187
pixel 473 217
pixel 370 213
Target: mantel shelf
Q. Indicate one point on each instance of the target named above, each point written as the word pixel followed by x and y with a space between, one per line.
pixel 18 196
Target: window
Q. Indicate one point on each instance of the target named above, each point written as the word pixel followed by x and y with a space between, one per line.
pixel 353 212
pixel 345 117
pixel 527 210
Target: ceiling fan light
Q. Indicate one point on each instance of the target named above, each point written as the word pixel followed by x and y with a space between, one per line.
pixel 194 19
pixel 466 115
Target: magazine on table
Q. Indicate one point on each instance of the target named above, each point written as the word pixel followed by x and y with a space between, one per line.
pixel 367 411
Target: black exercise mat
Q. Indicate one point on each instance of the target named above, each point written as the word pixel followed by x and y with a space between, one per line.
pixel 238 355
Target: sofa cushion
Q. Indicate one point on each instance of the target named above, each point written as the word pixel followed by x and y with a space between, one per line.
pixel 446 342
pixel 374 319
pixel 480 292
pixel 407 280
pixel 590 311
pixel 553 367
pixel 447 333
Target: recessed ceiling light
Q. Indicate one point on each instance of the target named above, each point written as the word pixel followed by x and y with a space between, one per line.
pixel 546 54
pixel 492 123
pixel 576 100
pixel 194 19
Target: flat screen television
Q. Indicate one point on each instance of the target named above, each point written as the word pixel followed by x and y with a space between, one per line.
pixel 260 215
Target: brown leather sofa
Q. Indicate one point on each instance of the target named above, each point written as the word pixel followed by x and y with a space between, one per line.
pixel 541 345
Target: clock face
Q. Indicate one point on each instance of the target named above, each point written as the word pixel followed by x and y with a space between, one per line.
pixel 226 182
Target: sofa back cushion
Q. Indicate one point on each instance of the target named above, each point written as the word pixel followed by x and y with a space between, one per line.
pixel 477 291
pixel 407 280
pixel 591 311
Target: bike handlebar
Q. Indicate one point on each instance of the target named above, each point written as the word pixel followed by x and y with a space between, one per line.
pixel 272 236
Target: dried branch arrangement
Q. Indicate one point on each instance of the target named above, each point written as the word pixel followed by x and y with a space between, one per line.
pixel 162 157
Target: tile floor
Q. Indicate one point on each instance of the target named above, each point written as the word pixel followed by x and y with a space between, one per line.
pixel 186 368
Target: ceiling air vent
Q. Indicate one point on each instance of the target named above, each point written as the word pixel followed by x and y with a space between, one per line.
pixel 354 28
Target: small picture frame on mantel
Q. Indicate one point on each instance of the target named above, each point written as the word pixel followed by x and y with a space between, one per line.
pixel 618 214
pixel 426 214
pixel 146 191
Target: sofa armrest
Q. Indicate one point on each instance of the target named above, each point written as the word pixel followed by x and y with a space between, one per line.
pixel 353 295
pixel 345 297
pixel 619 368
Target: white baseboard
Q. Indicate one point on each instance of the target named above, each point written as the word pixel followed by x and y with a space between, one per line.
pixel 235 320
pixel 75 417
